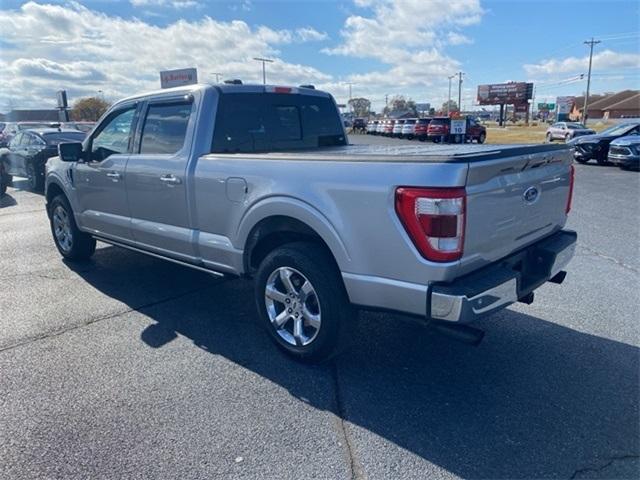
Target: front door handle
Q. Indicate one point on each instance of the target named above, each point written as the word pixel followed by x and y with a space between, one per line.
pixel 170 179
pixel 115 175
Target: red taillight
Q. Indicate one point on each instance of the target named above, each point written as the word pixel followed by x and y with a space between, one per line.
pixel 434 218
pixel 572 179
pixel 282 89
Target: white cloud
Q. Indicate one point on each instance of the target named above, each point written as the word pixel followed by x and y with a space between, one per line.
pixel 308 34
pixel 84 51
pixel 409 37
pixel 178 4
pixel 605 60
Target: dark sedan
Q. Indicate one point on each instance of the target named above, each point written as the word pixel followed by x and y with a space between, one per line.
pixel 29 150
pixel 596 147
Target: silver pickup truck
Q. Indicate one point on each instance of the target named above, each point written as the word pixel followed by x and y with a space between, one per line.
pixel 260 181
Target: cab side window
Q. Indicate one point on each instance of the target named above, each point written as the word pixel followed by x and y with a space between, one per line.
pixel 165 128
pixel 16 141
pixel 114 137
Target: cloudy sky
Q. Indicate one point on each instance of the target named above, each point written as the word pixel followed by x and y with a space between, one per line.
pixel 381 47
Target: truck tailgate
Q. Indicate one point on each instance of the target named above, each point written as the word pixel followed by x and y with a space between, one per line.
pixel 513 202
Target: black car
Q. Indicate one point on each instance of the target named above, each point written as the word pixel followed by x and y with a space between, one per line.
pixel 28 151
pixel 596 146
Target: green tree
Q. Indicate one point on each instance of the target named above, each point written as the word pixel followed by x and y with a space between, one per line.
pixel 399 103
pixel 453 106
pixel 88 109
pixel 361 107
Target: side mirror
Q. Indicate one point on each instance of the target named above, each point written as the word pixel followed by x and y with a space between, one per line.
pixel 70 152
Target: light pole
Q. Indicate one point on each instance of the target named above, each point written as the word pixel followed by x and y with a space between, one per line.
pixel 460 74
pixel 591 43
pixel 217 74
pixel 449 99
pixel 264 72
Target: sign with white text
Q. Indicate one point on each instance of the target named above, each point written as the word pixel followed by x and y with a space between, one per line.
pixel 458 126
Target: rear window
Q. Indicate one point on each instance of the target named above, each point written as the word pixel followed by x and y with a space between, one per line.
pixel 440 121
pixel 410 122
pixel 423 121
pixel 61 137
pixel 254 122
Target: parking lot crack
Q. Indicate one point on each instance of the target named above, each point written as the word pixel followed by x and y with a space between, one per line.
pixel 355 472
pixel 609 463
pixel 91 321
pixel 595 252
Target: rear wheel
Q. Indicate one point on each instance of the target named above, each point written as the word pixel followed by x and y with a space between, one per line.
pixel 302 302
pixel 5 179
pixel 567 137
pixel 482 137
pixel 34 178
pixel 70 241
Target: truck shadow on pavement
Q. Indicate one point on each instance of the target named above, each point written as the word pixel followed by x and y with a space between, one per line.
pixel 534 400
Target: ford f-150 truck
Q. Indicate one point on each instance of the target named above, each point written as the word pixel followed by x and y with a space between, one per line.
pixel 260 181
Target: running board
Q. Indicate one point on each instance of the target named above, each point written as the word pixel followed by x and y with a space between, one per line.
pixel 161 257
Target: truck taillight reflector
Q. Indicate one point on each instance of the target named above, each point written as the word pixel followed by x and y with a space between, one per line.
pixel 572 179
pixel 434 218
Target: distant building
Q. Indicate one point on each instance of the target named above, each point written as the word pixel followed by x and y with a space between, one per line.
pixel 600 104
pixel 627 108
pixel 32 116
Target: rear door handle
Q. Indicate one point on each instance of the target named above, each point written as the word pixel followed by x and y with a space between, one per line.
pixel 170 179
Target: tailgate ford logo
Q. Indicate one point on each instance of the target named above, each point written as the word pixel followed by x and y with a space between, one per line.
pixel 531 195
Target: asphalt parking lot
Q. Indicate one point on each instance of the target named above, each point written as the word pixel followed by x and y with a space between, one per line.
pixel 131 367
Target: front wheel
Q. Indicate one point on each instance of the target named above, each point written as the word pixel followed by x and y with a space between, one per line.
pixel 302 302
pixel 482 138
pixel 70 241
pixel 5 179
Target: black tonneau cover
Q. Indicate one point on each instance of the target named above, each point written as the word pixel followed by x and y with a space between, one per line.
pixel 405 153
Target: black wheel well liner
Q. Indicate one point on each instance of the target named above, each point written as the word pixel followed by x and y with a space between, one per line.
pixel 53 190
pixel 273 232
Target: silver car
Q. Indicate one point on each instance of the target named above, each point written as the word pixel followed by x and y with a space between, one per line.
pixel 408 128
pixel 566 131
pixel 397 128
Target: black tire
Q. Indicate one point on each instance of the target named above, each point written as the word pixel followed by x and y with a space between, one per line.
pixel 567 137
pixel 35 179
pixel 5 179
pixel 602 161
pixel 482 137
pixel 549 138
pixel 582 160
pixel 337 315
pixel 82 245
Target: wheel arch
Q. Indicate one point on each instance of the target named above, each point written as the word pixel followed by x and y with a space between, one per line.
pixel 276 222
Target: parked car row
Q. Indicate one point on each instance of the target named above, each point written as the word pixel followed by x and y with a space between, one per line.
pixel 435 129
pixel 619 145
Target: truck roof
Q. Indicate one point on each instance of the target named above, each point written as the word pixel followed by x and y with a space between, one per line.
pixel 229 88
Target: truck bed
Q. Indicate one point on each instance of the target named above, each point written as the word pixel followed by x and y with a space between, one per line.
pixel 432 153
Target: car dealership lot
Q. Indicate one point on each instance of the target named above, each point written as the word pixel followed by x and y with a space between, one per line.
pixel 128 366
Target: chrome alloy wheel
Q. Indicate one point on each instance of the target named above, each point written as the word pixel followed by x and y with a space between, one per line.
pixel 293 306
pixel 62 228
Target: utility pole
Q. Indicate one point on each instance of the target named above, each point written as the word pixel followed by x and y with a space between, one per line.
pixel 386 102
pixel 350 85
pixel 217 74
pixel 264 72
pixel 450 77
pixel 591 43
pixel 460 74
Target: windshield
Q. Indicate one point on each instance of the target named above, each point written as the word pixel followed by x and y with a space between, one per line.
pixel 619 129
pixel 575 126
pixel 60 137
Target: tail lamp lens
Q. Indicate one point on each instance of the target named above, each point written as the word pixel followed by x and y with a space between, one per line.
pixel 572 179
pixel 434 218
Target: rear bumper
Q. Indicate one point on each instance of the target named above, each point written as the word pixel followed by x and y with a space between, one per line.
pixel 503 283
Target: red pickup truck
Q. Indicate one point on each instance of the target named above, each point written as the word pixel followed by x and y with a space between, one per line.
pixel 439 130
